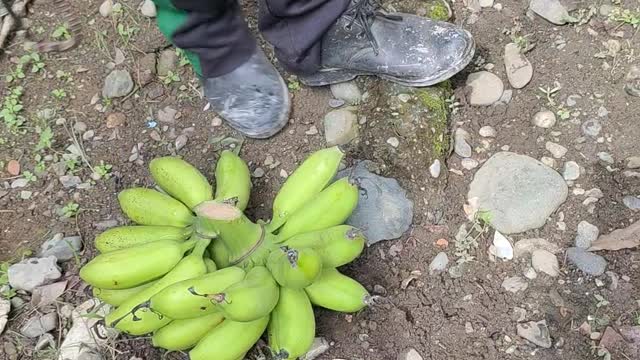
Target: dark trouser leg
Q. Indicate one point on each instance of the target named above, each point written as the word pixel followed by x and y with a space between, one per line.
pixel 296 27
pixel 213 32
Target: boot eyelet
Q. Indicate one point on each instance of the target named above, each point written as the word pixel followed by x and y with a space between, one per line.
pixel 347 27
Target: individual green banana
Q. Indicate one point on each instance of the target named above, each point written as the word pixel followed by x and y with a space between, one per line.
pixel 331 207
pixel 185 334
pixel 229 340
pixel 123 237
pixel 181 180
pixel 219 253
pixel 134 316
pixel 337 246
pixel 233 180
pixel 292 327
pixel 149 207
pixel 293 268
pixel 250 299
pixel 338 292
pixel 117 297
pixel 127 268
pixel 304 183
pixel 211 265
pixel 193 297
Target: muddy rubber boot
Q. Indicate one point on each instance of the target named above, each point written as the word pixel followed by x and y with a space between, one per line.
pixel 403 48
pixel 253 98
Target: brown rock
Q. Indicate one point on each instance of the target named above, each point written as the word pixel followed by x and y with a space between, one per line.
pixel 13 168
pixel 115 120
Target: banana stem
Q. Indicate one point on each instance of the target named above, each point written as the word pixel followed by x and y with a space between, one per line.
pixel 201 245
pixel 240 236
pixel 189 244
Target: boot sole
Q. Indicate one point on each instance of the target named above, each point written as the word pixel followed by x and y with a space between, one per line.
pixel 333 76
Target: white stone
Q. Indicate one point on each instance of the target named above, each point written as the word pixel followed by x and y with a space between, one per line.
pixel 544 119
pixel 486 88
pixel 556 150
pixel 435 169
pixel 488 132
pixel 546 262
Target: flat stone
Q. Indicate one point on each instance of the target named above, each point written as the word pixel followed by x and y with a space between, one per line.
pixel 47 294
pixel 546 262
pixel 572 100
pixel 39 325
pixel 33 272
pixel 347 92
pixel 5 308
pixel 167 115
pixel 591 128
pixel 105 8
pixel 62 248
pixel 393 141
pixel 461 146
pixel 556 150
pixel 106 224
pixel 488 131
pixel 550 162
pixel 606 157
pixel 320 346
pixel 519 70
pixel 85 336
pixel 525 194
pixel 501 247
pixel 340 127
pixel 148 9
pixel 115 120
pixel 544 119
pixel 632 162
pixel 530 273
pixel 586 234
pixel 19 183
pixel 535 332
pixel 486 88
pixel 571 170
pixel 632 202
pixel 70 181
pixel 469 163
pixel 384 211
pixel 435 169
pixel 587 262
pixel 439 263
pixel 117 84
pixel 167 61
pixel 409 354
pixel 514 284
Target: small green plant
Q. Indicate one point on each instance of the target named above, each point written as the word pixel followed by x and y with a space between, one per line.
pixel 39 30
pixel 11 109
pixel 103 171
pixel 41 166
pixel 70 209
pixel 63 75
pixel 170 78
pixel 625 16
pixel 61 33
pixel 182 58
pixel 29 176
pixel 59 93
pixel 126 32
pixel 521 41
pixel 15 74
pixel 293 84
pixel 563 114
pixel 72 164
pixel 601 301
pixel 45 138
pixel 7 292
pixel 551 92
pixel 34 58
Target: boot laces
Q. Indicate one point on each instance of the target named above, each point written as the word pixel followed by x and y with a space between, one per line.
pixel 362 13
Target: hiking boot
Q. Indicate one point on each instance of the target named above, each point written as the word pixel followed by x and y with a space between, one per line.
pixel 253 98
pixel 403 48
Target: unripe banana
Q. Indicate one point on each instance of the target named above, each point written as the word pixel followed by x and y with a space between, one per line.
pixel 250 299
pixel 331 207
pixel 149 207
pixel 304 183
pixel 117 297
pixel 185 334
pixel 337 246
pixel 219 253
pixel 127 268
pixel 292 327
pixel 181 180
pixel 229 340
pixel 338 292
pixel 193 297
pixel 233 180
pixel 134 316
pixel 211 265
pixel 293 268
pixel 123 237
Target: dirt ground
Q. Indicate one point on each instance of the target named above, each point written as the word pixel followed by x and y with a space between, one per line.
pixel 470 317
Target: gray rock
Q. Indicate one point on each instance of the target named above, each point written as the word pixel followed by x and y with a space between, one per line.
pixel 544 119
pixel 632 202
pixel 546 262
pixel 117 84
pixel 105 8
pixel 519 70
pixel 39 325
pixel 439 263
pixel 62 248
pixel 167 61
pixel 522 197
pixel 586 234
pixel 70 181
pixel 587 262
pixel 591 128
pixel 320 346
pixel 572 100
pixel 347 92
pixel 488 132
pixel 556 150
pixel 603 112
pixel 384 212
pixel 393 141
pixel 514 284
pixel 486 88
pixel 435 168
pixel 606 9
pixel 106 224
pixel 606 157
pixel 506 97
pixel 5 307
pixel 80 126
pixel 340 127
pixel 167 115
pixel 45 340
pixel 148 9
pixel 47 294
pixel 19 183
pixel 461 146
pixel 535 332
pixel 33 272
pixel 469 163
pixel 410 354
pixel 632 162
pixel 571 170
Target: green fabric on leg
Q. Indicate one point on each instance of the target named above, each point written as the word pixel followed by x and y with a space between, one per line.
pixel 169 19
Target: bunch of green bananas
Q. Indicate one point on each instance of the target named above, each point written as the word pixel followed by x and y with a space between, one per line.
pixel 239 278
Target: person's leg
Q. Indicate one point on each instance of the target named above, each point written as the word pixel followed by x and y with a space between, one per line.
pixel 241 85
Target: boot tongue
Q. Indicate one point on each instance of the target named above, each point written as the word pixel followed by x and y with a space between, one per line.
pixel 362 13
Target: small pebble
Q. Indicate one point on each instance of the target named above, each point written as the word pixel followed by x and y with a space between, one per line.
pixel 488 132
pixel 606 157
pixel 544 119
pixel 258 172
pixel 550 162
pixel 591 128
pixel 586 234
pixel 313 130
pixel 469 163
pixel 435 168
pixel 393 141
pixel 571 170
pixel 216 122
pixel 461 146
pixel 13 168
pixel 631 202
pixel 632 162
pixel 556 150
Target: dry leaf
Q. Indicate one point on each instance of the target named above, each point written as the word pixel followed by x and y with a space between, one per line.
pixel 626 238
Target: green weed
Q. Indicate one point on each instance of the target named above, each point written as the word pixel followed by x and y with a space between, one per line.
pixel 61 33
pixel 170 78
pixel 103 171
pixel 59 93
pixel 70 209
pixel 12 108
